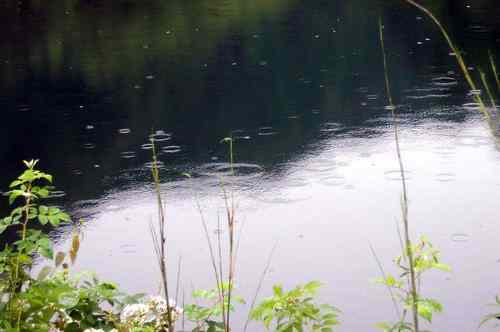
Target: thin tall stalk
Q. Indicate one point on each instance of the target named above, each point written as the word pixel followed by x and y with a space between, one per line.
pixel 458 55
pixel 389 289
pixel 218 275
pixel 178 280
pixel 494 69
pixel 230 215
pixel 487 87
pixel 404 199
pixel 259 285
pixel 159 236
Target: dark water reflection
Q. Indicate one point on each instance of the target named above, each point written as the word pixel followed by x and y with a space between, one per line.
pixel 299 85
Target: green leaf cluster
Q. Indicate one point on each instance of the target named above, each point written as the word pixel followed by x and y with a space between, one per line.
pixel 425 258
pixel 52 300
pixel 205 316
pixel 295 310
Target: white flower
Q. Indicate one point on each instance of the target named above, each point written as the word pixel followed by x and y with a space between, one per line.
pixel 153 312
pixel 135 314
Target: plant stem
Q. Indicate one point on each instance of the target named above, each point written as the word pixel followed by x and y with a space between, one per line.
pixel 487 87
pixel 458 54
pixel 161 242
pixel 406 228
pixel 494 69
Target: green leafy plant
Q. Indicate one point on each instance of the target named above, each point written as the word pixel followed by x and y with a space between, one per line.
pixel 425 258
pixel 16 260
pixel 295 310
pixel 205 316
pixel 53 299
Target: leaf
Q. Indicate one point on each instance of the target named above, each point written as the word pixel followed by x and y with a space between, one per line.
pixel 43 219
pixel 54 211
pixel 278 290
pixel 75 246
pixel 59 258
pixel 43 193
pixel 44 273
pixel 43 209
pixel 442 267
pixel 45 248
pixel 425 312
pixel 5 223
pixel 68 299
pixel 15 183
pixel 53 220
pixel 64 217
pixel 14 194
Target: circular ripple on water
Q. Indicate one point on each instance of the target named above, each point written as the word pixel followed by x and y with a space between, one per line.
pixel 240 134
pixel 283 198
pixel 460 237
pixel 471 106
pixel 444 81
pixel 88 146
pixel 473 140
pixel 429 96
pixel 266 131
pixel 240 170
pixel 395 175
pixel 160 136
pixel 332 180
pixel 445 177
pixel 127 154
pixel 124 131
pixel 56 194
pixel 150 164
pixel 171 149
pixel 319 167
pixel 296 183
pixel 477 28
pixel 329 127
pixel 147 146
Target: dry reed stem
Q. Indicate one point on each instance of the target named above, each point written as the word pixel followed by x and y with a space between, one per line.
pixel 384 275
pixel 458 55
pixel 494 69
pixel 404 199
pixel 259 285
pixel 487 87
pixel 159 237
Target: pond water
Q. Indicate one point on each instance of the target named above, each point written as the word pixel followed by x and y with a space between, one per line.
pixel 299 86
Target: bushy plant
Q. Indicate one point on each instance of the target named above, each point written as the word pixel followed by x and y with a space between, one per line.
pixel 54 299
pixel 425 258
pixel 205 316
pixel 295 310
